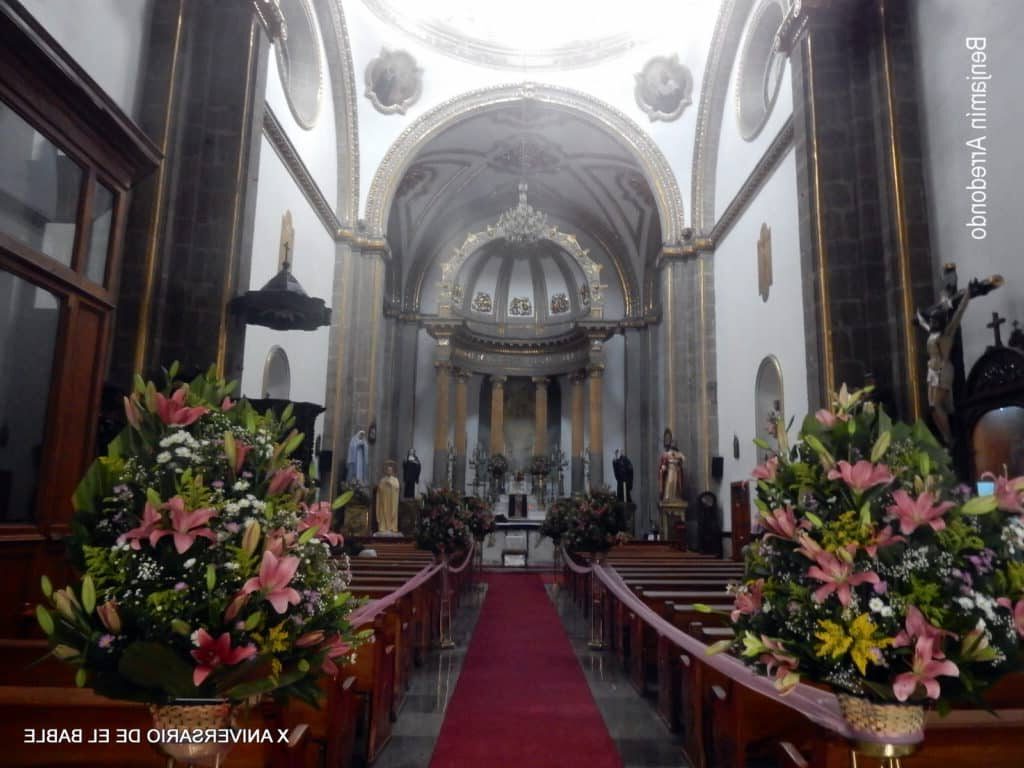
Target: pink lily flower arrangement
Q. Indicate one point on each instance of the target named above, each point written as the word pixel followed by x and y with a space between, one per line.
pixel 876 574
pixel 200 526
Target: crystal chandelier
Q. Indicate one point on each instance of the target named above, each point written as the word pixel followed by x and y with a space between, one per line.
pixel 522 224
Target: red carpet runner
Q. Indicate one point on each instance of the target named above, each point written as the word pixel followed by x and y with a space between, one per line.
pixel 521 700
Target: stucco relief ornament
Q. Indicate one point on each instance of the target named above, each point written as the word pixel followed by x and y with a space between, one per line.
pixel 520 306
pixel 559 304
pixel 393 82
pixel 664 88
pixel 765 277
pixel 483 303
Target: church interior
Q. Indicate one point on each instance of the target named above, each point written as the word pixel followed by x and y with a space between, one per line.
pixel 500 359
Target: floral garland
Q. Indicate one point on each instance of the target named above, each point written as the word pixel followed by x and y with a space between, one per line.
pixel 878 574
pixel 207 568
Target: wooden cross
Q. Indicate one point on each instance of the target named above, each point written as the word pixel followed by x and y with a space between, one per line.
pixel 997 321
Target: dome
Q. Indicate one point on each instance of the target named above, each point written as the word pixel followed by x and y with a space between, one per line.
pixel 524 290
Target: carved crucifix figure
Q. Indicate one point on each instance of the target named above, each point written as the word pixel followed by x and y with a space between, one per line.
pixel 997 321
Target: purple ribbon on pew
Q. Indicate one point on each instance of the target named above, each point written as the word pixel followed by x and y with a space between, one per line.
pixel 572 566
pixel 469 556
pixel 367 613
pixel 820 707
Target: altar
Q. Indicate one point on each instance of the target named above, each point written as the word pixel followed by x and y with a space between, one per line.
pixel 518 544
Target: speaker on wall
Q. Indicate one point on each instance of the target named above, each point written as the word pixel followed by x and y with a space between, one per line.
pixel 717 467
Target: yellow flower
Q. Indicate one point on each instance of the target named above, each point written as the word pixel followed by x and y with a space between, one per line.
pixel 861 641
pixel 834 641
pixel 275 641
pixel 866 647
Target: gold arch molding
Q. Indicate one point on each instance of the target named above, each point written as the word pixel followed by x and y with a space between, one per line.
pixel 620 127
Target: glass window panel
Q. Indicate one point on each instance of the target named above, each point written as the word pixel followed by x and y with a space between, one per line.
pixel 29 320
pixel 99 239
pixel 39 189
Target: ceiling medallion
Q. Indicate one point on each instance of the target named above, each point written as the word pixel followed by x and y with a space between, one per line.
pixel 664 88
pixel 393 81
pixel 522 224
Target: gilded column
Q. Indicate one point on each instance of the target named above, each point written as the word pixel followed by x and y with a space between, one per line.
pixel 596 382
pixel 461 411
pixel 498 414
pixel 576 416
pixel 540 425
pixel 441 423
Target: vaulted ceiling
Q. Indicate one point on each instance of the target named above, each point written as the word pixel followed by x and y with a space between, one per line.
pixel 462 180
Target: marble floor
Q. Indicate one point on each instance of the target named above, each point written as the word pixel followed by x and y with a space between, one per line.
pixel 643 741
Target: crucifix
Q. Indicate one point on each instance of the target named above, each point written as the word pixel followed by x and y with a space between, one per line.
pixel 997 321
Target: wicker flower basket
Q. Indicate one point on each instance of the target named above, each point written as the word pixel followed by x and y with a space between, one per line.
pixel 189 717
pixel 902 722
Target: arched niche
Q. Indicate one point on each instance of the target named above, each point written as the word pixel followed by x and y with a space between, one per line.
pixel 769 398
pixel 277 375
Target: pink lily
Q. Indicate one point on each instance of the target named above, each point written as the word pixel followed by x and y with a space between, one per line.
pixel 826 418
pixel 862 475
pixel 226 404
pixel 884 538
pixel 273 580
pixel 838 577
pixel 913 513
pixel 781 522
pixel 172 410
pixel 282 480
pixel 767 471
pixel 241 451
pixel 809 548
pixel 335 649
pixel 132 413
pixel 212 654
pixel 151 518
pixel 1018 613
pixel 109 616
pixel 279 542
pixel 1009 493
pixel 319 515
pixel 749 600
pixel 779 664
pixel 917 627
pixel 924 671
pixel 186 526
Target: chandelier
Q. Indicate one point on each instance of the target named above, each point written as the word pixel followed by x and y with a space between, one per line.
pixel 522 223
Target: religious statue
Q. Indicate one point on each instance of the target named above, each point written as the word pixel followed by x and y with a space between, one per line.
pixel 387 500
pixel 942 321
pixel 411 469
pixel 623 469
pixel 670 475
pixel 356 462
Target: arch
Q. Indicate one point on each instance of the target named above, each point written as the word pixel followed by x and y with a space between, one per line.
pixel 646 152
pixel 343 85
pixel 714 89
pixel 769 395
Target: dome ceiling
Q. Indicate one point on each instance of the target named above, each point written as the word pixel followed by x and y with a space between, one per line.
pixel 577 174
pixel 531 290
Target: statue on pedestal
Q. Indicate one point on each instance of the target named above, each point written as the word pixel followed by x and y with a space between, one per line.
pixel 942 322
pixel 670 475
pixel 387 500
pixel 355 461
pixel 623 469
pixel 411 469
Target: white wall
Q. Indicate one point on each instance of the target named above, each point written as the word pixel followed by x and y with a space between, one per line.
pixel 316 146
pixel 748 329
pixel 941 27
pixel 425 415
pixel 107 38
pixel 737 156
pixel 313 267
